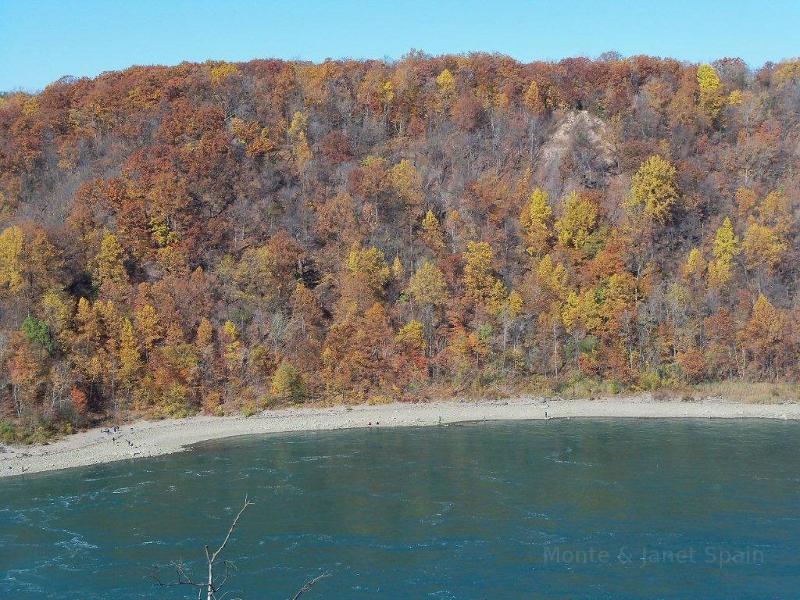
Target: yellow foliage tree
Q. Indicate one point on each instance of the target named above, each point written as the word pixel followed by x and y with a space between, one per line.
pixel 412 336
pixel 129 357
pixel 56 311
pixel 533 99
pixel 222 71
pixel 254 274
pixel 287 383
pixel 446 88
pixel 695 265
pixel 407 183
pixel 726 247
pixel 427 286
pixel 735 98
pixel 43 263
pixel 109 271
pixel 535 220
pixel 497 302
pixel 582 311
pixel 711 98
pixel 369 263
pixel 763 248
pixel 253 136
pixel 86 324
pixel 386 94
pixel 775 211
pixel 506 307
pixel 148 326
pixel 787 72
pixel 578 221
pixel 445 80
pixel 11 279
pixel 204 336
pixel 514 303
pixel 301 151
pixel 653 190
pixel 111 318
pixel 233 346
pixel 552 276
pixel 432 233
pixel 478 278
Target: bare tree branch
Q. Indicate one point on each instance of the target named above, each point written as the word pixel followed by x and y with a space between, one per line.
pixel 310 584
pixel 210 585
pixel 247 503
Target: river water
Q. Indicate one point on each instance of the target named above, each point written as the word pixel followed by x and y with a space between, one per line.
pixel 547 509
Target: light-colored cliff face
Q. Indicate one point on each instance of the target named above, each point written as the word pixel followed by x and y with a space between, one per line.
pixel 580 151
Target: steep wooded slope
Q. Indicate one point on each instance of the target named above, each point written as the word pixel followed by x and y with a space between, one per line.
pixel 216 235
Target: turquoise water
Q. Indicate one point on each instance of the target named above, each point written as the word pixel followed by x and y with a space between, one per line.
pixel 558 509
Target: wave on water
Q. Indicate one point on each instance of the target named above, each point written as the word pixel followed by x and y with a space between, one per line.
pixel 569 462
pixel 15 516
pixel 561 458
pixel 76 542
pixel 439 517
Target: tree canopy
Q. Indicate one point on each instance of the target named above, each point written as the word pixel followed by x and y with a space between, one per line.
pixel 208 237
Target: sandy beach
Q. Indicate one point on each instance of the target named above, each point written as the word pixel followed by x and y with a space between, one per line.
pixel 153 438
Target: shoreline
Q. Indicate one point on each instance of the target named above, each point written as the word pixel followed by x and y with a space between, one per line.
pixel 142 439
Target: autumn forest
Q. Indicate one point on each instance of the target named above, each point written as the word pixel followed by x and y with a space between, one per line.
pixel 226 237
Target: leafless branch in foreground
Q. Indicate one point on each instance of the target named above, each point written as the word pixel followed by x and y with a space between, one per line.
pixel 212 586
pixel 309 584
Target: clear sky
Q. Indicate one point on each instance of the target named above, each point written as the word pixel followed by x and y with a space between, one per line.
pixel 42 40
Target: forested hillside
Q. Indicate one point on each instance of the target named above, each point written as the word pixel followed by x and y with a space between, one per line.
pixel 215 237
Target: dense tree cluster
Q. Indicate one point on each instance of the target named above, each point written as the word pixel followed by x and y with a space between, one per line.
pixel 220 236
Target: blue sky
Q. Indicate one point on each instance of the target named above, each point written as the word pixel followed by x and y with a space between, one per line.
pixel 41 40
